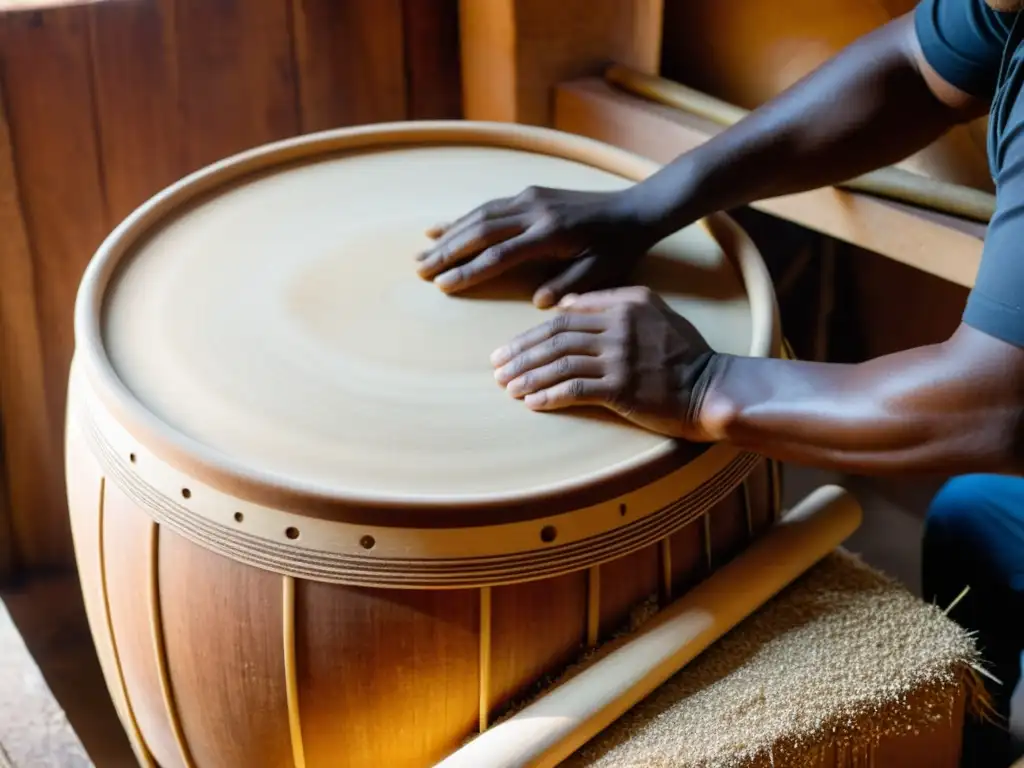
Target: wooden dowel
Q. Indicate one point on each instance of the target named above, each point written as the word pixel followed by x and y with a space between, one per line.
pixel 892 183
pixel 560 722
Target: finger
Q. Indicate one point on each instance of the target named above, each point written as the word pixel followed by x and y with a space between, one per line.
pixel 566 323
pixel 596 301
pixel 472 241
pixel 493 261
pixel 434 232
pixel 555 372
pixel 569 393
pixel 493 209
pixel 582 275
pixel 559 345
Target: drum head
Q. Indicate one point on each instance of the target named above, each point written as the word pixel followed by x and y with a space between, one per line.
pixel 277 322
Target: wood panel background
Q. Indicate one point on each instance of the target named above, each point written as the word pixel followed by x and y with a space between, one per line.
pixel 103 104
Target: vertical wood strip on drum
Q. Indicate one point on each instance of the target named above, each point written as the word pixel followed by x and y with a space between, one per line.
pixel 333 41
pixel 665 562
pixel 86 500
pixel 485 657
pixel 119 691
pixel 709 562
pixel 593 605
pixel 159 651
pixel 537 629
pixel 290 670
pixel 224 635
pixel 626 583
pixel 127 560
pixel 688 556
pixel 727 523
pixel 386 677
pixel 761 496
pixel 776 480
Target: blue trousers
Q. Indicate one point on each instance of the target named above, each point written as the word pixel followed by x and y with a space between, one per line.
pixel 974 536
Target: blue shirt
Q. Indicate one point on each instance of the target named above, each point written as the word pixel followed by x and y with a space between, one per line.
pixel 978 50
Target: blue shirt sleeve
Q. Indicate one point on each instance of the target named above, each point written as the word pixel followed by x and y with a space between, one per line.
pixel 963 40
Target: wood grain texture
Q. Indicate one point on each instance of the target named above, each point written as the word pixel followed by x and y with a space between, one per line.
pixel 385 677
pixel 223 639
pixel 728 528
pixel 126 544
pixel 135 69
pixel 351 62
pixel 625 583
pixel 49 115
pixel 514 52
pixel 86 496
pixel 524 651
pixel 688 558
pixel 432 59
pixel 236 76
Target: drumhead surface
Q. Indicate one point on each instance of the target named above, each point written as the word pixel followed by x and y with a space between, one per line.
pixel 280 323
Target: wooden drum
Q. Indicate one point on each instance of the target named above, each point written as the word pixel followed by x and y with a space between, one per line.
pixel 311 529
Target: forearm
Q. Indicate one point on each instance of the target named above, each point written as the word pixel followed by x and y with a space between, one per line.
pixel 868 107
pixel 950 408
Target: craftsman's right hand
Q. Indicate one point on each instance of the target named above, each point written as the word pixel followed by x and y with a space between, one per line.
pixel 594 233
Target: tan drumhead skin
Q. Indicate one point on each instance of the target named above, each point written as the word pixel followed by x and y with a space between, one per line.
pixel 275 327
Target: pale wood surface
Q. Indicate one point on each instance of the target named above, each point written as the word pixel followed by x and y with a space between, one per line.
pixel 944 246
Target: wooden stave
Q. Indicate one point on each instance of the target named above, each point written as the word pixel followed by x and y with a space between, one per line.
pixel 157 673
pixel 167 713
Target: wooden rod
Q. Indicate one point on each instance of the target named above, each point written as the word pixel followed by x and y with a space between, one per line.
pixel 892 183
pixel 548 731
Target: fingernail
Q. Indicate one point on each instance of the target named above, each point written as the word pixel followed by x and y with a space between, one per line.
pixel 446 280
pixel 499 356
pixel 568 300
pixel 535 400
pixel 514 387
pixel 544 298
pixel 422 255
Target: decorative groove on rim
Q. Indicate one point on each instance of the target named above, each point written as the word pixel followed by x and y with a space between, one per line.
pixel 410 573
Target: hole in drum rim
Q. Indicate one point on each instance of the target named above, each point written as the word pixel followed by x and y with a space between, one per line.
pixel 548 534
pixel 622 509
pixel 291 532
pixel 131 457
pixel 186 493
pixel 367 542
pixel 239 517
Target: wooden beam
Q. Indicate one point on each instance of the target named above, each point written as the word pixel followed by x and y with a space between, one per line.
pixel 941 245
pixel 514 52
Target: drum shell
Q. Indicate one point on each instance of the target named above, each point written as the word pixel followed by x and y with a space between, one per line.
pixel 215 662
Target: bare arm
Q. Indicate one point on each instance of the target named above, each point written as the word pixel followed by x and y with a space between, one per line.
pixel 873 104
pixel 949 408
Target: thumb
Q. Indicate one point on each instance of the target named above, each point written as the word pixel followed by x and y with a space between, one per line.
pixel 595 301
pixel 580 275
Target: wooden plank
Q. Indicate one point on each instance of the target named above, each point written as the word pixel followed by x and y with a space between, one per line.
pixel 351 62
pixel 49 107
pixel 939 245
pixel 134 59
pixel 432 59
pixel 236 76
pixel 514 52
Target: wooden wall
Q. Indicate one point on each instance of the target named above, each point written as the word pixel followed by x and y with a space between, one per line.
pixel 103 104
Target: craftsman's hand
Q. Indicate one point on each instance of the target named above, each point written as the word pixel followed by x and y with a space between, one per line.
pixel 622 349
pixel 595 233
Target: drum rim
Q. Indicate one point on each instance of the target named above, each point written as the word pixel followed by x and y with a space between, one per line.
pixel 221 471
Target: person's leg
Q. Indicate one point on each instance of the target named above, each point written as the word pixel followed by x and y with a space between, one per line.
pixel 974 537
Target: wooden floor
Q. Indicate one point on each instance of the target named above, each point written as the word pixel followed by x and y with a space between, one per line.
pixel 51 617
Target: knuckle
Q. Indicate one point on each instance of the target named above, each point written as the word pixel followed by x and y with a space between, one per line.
pixel 559 324
pixel 563 366
pixel 576 388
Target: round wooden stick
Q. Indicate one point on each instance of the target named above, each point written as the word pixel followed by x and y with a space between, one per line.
pixel 546 732
pixel 893 183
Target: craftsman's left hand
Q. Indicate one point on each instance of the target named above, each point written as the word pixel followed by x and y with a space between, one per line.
pixel 622 349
